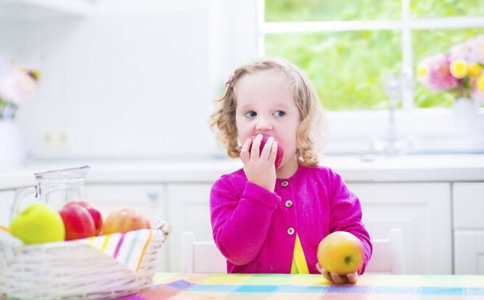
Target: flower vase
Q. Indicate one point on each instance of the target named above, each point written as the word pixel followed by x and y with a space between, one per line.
pixel 465 115
pixel 12 148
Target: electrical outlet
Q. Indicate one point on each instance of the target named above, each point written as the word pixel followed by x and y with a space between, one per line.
pixel 55 140
pixel 47 139
pixel 64 139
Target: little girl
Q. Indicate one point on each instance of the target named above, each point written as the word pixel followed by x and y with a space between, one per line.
pixel 266 220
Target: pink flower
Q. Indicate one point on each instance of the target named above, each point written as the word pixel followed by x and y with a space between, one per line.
pixel 461 51
pixel 434 73
pixel 476 47
pixel 229 82
pixel 16 87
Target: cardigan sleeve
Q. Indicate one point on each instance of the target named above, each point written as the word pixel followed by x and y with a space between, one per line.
pixel 346 216
pixel 240 221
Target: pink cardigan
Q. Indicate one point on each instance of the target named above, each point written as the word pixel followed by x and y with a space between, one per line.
pixel 256 229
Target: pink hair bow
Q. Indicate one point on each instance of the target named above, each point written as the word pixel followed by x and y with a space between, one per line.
pixel 228 83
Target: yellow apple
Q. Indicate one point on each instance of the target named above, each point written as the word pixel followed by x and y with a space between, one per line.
pixel 38 223
pixel 341 252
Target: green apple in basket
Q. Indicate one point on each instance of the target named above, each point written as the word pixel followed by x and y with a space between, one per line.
pixel 38 223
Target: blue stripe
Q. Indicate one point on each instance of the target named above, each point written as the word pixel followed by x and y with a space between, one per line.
pixel 181 285
pixel 442 291
pixel 257 288
pixel 350 289
pixel 303 289
pixel 395 290
pixel 213 288
pixel 133 242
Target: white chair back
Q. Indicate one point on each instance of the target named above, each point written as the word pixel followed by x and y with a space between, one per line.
pixel 387 255
pixel 201 257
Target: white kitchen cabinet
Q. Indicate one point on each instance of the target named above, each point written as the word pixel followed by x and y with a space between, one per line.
pixel 468 203
pixel 189 210
pixel 412 193
pixel 147 199
pixel 6 200
pixel 468 198
pixel 421 210
pixel 469 252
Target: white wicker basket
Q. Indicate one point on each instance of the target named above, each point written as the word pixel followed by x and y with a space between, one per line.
pixel 71 270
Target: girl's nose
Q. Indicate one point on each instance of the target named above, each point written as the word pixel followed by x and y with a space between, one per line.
pixel 263 124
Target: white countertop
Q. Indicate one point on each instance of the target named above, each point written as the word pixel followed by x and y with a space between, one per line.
pixel 412 168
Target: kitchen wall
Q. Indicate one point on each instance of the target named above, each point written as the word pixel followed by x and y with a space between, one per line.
pixel 132 79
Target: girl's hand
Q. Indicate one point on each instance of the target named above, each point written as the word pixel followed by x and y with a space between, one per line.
pixel 338 279
pixel 259 166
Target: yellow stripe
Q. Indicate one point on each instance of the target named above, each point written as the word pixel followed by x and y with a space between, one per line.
pixel 299 257
pixel 105 242
pixel 144 250
pixel 91 240
pixel 4 228
pixel 294 267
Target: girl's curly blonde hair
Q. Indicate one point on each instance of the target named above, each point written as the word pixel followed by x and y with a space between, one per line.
pixel 310 130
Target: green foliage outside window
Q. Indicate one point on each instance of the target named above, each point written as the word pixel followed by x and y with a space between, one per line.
pixel 446 8
pixel 331 10
pixel 347 68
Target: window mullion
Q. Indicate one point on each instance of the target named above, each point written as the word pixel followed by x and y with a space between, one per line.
pixel 448 22
pixel 407 63
pixel 261 6
pixel 308 27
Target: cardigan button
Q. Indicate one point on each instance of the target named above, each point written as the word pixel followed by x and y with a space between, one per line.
pixel 289 203
pixel 290 231
pixel 285 183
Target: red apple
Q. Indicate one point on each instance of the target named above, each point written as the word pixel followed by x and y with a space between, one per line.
pixel 124 219
pixel 77 221
pixel 280 149
pixel 95 213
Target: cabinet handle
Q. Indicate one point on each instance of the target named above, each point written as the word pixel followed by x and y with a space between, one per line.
pixel 153 196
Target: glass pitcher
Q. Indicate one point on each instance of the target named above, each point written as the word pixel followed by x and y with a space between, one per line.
pixel 55 187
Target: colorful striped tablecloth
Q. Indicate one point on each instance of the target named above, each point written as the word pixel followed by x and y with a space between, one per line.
pixel 286 286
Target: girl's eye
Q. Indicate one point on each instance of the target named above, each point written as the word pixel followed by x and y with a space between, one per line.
pixel 250 114
pixel 279 113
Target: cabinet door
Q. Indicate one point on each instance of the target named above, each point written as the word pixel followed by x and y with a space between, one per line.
pixel 468 201
pixel 147 199
pixel 422 211
pixel 6 200
pixel 469 252
pixel 189 211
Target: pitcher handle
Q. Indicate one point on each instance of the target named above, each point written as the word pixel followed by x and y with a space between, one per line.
pixel 18 200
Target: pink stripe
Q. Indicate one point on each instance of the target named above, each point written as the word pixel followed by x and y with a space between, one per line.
pixel 119 245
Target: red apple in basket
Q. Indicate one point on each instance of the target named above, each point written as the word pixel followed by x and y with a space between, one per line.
pixel 280 149
pixel 124 219
pixel 77 221
pixel 341 252
pixel 94 211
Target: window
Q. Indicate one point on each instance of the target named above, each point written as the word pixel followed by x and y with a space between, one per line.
pixel 348 50
pixel 357 43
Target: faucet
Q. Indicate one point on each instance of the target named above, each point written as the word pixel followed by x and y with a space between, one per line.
pixel 392 143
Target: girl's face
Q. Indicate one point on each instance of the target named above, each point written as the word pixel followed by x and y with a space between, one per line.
pixel 265 104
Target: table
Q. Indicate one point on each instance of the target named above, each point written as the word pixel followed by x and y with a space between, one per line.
pixel 286 286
